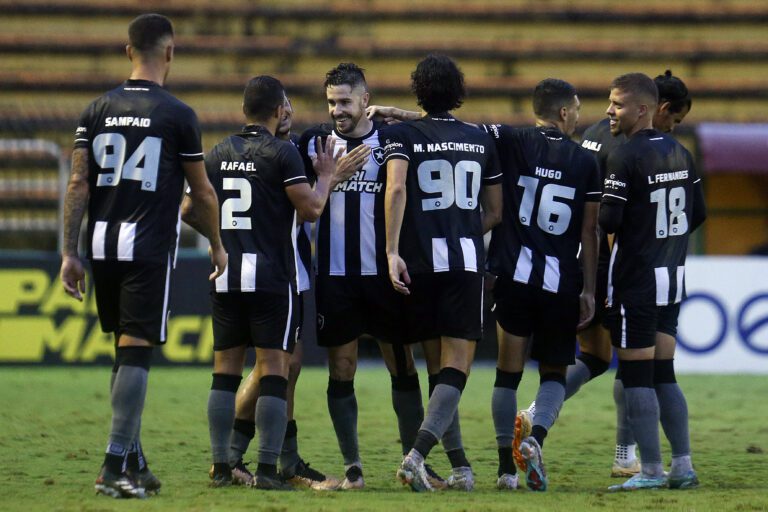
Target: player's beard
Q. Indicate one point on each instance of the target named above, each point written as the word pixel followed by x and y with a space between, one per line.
pixel 347 123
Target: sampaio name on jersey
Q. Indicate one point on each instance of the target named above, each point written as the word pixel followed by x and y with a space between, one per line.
pixel 448 146
pixel 591 145
pixel 140 122
pixel 358 183
pixel 237 166
pixel 548 173
pixel 668 176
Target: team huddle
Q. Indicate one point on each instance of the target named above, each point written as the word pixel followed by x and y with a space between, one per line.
pixel 586 240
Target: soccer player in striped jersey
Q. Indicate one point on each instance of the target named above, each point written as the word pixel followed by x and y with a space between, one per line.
pixel 353 293
pixel 552 192
pixel 652 201
pixel 262 186
pixel 292 467
pixel 134 147
pixel 439 172
pixel 594 341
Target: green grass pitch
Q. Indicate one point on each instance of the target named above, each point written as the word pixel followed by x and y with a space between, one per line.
pixel 54 423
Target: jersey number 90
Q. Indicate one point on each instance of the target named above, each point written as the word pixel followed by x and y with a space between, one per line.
pixel 458 185
pixel 109 153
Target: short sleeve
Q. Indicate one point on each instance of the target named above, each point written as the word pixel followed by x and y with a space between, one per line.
pixel 594 189
pixel 83 131
pixel 492 173
pixel 189 143
pixel 394 140
pixel 291 165
pixel 617 176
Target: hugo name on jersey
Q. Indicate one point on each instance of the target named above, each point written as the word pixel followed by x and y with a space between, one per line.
pixel 137 136
pixel 250 172
pixel 448 162
pixel 547 180
pixel 350 235
pixel 654 177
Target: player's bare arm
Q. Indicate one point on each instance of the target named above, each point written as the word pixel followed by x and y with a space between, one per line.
pixel 75 203
pixel 491 198
pixel 391 115
pixel 589 251
pixel 204 206
pixel 394 209
pixel 308 201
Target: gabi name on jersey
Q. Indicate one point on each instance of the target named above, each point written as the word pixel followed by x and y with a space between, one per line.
pixel 591 145
pixel 668 176
pixel 237 166
pixel 140 122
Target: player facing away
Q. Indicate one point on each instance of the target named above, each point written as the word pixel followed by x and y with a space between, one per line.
pixel 353 291
pixel 134 146
pixel 293 468
pixel 652 201
pixel 262 187
pixel 595 342
pixel 439 172
pixel 551 199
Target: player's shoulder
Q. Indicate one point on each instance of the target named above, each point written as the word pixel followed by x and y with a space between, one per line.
pixel 318 130
pixel 598 131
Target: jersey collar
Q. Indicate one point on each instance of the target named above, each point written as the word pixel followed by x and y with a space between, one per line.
pixel 255 129
pixel 375 126
pixel 441 116
pixel 145 83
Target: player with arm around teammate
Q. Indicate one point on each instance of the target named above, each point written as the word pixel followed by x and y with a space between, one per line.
pixel 652 201
pixel 134 147
pixel 261 183
pixel 439 171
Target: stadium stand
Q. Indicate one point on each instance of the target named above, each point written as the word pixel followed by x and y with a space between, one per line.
pixel 57 55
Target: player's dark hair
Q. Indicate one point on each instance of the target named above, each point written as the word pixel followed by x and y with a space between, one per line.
pixel 674 91
pixel 637 84
pixel 263 94
pixel 346 73
pixel 550 95
pixel 146 32
pixel 438 84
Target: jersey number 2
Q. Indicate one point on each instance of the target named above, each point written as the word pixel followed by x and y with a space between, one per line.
pixel 235 205
pixel 109 153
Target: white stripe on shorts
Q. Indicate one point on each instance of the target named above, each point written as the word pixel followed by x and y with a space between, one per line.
pixel 623 327
pixel 166 295
pixel 288 321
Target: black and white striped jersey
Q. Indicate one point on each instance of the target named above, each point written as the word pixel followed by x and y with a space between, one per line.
pixel 548 179
pixel 303 242
pixel 137 136
pixel 350 236
pixel 652 178
pixel 250 172
pixel 448 162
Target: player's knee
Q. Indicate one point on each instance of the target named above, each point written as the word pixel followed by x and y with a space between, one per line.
pixel 342 367
pixel 595 365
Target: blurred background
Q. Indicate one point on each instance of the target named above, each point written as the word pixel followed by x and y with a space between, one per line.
pixel 58 55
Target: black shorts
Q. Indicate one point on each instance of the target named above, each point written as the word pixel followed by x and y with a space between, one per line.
pixel 133 297
pixel 258 319
pixel 349 306
pixel 551 318
pixel 636 326
pixel 445 304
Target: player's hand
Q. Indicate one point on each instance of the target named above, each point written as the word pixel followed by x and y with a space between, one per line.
pixel 350 163
pixel 219 261
pixel 325 161
pixel 73 277
pixel 398 274
pixel 586 310
pixel 387 114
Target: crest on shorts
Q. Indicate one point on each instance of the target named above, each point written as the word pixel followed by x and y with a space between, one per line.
pixel 378 155
pixel 320 322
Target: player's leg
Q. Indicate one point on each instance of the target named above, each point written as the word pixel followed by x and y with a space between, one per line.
pixel 340 323
pixel 672 404
pixel 406 393
pixel 244 428
pixel 227 374
pixel 633 333
pixel 510 364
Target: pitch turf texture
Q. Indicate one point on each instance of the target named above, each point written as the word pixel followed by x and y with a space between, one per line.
pixel 54 422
